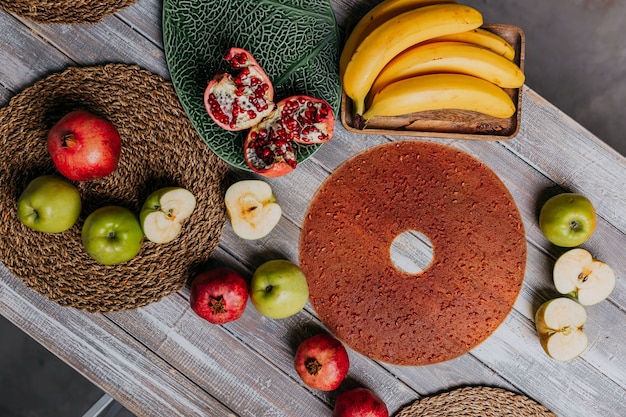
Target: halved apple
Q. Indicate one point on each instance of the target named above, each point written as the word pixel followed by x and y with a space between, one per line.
pixel 577 274
pixel 252 209
pixel 559 325
pixel 164 211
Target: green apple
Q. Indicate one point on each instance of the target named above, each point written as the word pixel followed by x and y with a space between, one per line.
pixel 559 325
pixel 164 212
pixel 279 289
pixel 588 280
pixel 49 204
pixel 567 219
pixel 112 235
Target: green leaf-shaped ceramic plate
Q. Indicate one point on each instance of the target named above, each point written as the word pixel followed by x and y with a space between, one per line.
pixel 295 41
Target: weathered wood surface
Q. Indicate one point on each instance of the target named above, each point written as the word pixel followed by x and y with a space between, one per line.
pixel 163 360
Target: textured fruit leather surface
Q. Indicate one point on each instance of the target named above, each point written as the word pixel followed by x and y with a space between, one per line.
pixel 453 124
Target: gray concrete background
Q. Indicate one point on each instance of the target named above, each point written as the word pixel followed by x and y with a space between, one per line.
pixel 575 58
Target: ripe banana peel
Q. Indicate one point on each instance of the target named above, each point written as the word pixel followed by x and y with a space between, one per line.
pixel 438 92
pixel 398 34
pixel 374 18
pixel 481 37
pixel 450 57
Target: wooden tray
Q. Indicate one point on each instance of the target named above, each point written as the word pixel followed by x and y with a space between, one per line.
pixel 452 124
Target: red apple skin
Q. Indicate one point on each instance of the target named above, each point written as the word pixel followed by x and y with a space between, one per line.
pixel 219 295
pixel 322 362
pixel 84 146
pixel 360 402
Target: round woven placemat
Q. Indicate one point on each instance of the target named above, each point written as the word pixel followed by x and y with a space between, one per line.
pixel 476 402
pixel 159 148
pixel 65 11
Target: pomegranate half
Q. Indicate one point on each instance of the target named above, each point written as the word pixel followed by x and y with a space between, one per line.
pixel 302 119
pixel 239 100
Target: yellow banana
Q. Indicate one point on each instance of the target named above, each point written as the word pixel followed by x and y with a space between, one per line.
pixel 374 18
pixel 450 57
pixel 398 34
pixel 438 92
pixel 484 38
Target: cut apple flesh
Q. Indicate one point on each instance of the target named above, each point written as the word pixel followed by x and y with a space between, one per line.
pixel 566 344
pixel 560 328
pixel 252 209
pixel 576 273
pixel 164 222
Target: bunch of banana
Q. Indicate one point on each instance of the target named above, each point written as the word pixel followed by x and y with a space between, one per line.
pixel 406 56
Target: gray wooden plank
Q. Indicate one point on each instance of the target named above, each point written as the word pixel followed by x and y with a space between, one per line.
pixel 26 57
pixel 105 354
pixel 145 17
pixel 111 40
pixel 219 363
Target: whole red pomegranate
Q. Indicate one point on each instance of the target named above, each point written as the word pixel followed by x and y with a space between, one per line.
pixel 302 119
pixel 360 402
pixel 242 99
pixel 322 362
pixel 84 146
pixel 219 295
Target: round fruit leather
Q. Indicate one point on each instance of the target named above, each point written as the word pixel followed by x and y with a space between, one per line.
pixel 459 299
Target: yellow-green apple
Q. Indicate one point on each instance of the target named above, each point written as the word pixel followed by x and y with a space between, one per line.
pixel 360 402
pixel 84 146
pixel 49 204
pixel 279 289
pixel 567 219
pixel 559 324
pixel 588 280
pixel 322 362
pixel 112 235
pixel 164 212
pixel 219 295
pixel 252 208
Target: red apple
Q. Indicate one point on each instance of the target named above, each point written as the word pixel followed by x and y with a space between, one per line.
pixel 83 146
pixel 219 295
pixel 322 362
pixel 360 402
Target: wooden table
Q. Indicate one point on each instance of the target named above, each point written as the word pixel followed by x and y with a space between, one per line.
pixel 163 360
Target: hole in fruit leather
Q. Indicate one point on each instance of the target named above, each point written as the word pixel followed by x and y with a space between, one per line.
pixel 411 252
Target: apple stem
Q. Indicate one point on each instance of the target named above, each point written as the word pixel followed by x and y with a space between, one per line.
pixel 67 139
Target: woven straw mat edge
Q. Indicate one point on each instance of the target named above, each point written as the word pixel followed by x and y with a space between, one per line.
pixel 65 11
pixel 476 402
pixel 159 148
